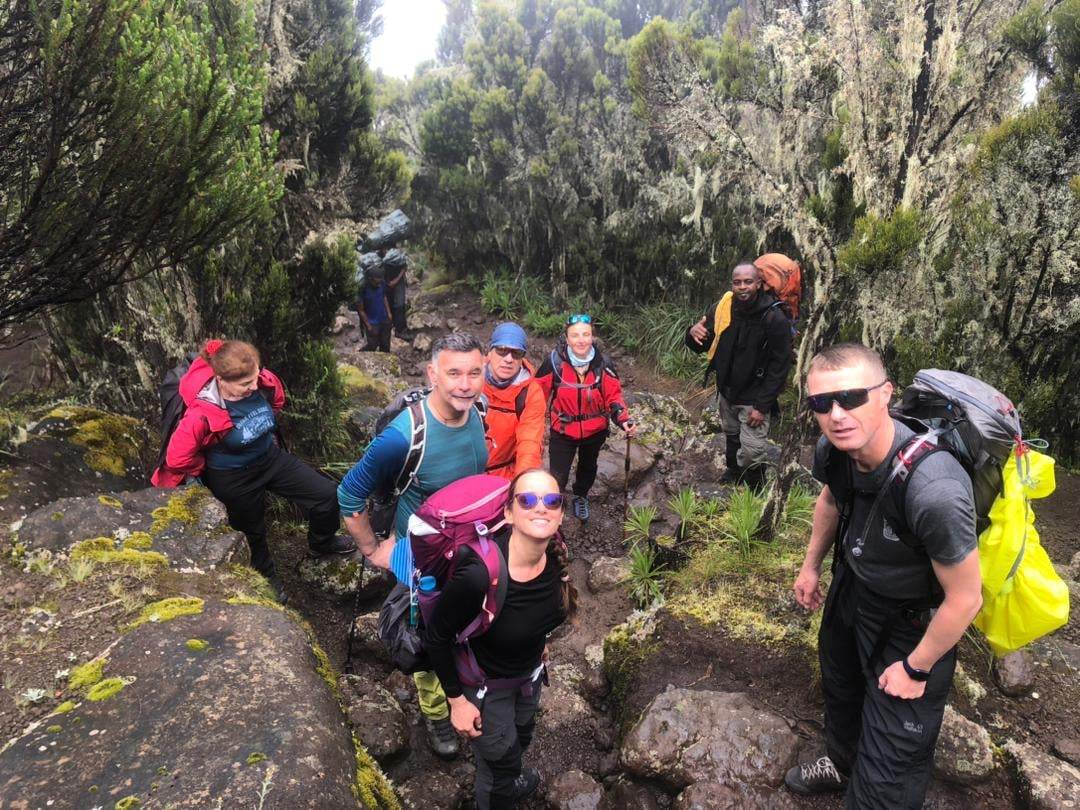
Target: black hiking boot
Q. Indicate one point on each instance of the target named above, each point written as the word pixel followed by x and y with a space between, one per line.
pixel 819 776
pixel 442 738
pixel 526 784
pixel 338 544
pixel 731 456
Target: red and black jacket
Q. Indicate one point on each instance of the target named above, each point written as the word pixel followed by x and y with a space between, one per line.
pixel 581 404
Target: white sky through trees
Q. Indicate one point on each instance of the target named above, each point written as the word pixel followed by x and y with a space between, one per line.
pixel 410 31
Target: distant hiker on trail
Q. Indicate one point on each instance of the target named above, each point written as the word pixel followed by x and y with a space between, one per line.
pixel 516 404
pixel 500 720
pixel 748 339
pixel 374 310
pixel 454 447
pixel 396 264
pixel 580 382
pixel 905 587
pixel 226 437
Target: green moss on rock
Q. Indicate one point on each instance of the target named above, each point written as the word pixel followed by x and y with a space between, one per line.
pixel 65 707
pixel 86 675
pixel 103 690
pixel 104 550
pixel 128 803
pixel 5 482
pixel 197 644
pixel 165 610
pixel 54 729
pixel 108 500
pixel 362 388
pixel 111 441
pixel 139 541
pixel 179 509
pixel 372 787
pixel 255 757
pixel 625 648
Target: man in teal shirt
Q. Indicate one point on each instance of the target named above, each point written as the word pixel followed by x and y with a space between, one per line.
pixel 454 448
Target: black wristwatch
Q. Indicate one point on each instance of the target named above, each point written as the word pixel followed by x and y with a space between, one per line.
pixel 916 674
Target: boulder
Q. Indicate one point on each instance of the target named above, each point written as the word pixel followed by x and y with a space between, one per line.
pixel 734 796
pixel 1068 748
pixel 686 736
pixel 366 641
pixel 608 573
pixel 362 388
pixel 1046 783
pixel 423 319
pixel 561 707
pixel 964 753
pixel 219 703
pixel 432 790
pixel 422 342
pixel 625 794
pixel 611 465
pixel 345 577
pixel 576 790
pixel 376 717
pixel 1014 673
pixel 342 323
pixel 186 525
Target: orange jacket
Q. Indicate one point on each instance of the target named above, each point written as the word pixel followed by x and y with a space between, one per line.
pixel 515 425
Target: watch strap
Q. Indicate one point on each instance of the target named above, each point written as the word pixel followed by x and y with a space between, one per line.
pixel 915 674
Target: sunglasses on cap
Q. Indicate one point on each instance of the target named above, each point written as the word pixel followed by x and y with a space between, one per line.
pixel 849 399
pixel 582 318
pixel 529 500
pixel 502 351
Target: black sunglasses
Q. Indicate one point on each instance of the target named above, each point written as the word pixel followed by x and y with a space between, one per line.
pixel 502 351
pixel 529 500
pixel 848 399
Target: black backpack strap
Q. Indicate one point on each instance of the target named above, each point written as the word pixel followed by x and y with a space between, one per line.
pixel 519 400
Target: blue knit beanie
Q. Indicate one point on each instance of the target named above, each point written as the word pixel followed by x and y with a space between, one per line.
pixel 509 334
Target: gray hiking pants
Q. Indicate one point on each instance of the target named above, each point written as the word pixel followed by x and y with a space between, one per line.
pixel 508 719
pixel 753 441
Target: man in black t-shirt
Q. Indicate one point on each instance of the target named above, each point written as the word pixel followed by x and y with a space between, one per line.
pixel 906 585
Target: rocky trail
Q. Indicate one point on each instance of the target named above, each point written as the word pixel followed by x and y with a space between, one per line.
pixel 145 666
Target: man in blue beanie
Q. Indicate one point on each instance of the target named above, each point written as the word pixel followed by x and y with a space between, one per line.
pixel 515 418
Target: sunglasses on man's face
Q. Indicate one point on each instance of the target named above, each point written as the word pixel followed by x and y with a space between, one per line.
pixel 529 500
pixel 849 399
pixel 583 318
pixel 502 351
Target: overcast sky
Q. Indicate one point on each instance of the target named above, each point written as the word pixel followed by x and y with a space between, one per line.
pixel 410 29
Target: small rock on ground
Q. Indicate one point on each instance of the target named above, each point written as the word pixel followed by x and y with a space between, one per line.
pixel 1068 748
pixel 625 794
pixel 1014 673
pixel 376 717
pixel 576 790
pixel 431 790
pixel 1047 783
pixel 608 573
pixel 716 796
pixel 686 736
pixel 964 754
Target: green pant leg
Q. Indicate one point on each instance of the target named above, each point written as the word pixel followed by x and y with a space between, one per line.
pixel 432 698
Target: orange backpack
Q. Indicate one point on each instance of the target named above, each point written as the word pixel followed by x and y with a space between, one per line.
pixel 784 277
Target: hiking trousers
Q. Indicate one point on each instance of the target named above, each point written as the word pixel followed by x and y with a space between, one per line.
pixel 378 338
pixel 752 442
pixel 430 696
pixel 508 719
pixel 885 745
pixel 561 451
pixel 243 493
pixel 398 308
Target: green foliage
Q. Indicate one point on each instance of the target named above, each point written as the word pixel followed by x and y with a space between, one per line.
pixel 1028 31
pixel 743 518
pixel 882 246
pixel 639 520
pixel 656 331
pixel 645 580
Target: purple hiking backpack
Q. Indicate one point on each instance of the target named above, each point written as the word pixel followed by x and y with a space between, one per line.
pixel 464 514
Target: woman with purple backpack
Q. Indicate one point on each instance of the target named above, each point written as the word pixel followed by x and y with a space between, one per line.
pixel 499 718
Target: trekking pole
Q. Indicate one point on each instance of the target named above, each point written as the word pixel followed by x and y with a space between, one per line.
pixel 626 487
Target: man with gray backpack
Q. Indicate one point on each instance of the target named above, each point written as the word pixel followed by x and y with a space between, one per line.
pixel 436 438
pixel 905 493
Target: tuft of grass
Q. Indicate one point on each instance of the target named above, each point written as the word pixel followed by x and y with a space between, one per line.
pixel 744 515
pixel 80 569
pixel 687 508
pixel 656 331
pixel 645 580
pixel 639 520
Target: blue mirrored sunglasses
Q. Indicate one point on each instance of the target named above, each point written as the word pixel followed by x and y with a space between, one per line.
pixel 582 318
pixel 529 500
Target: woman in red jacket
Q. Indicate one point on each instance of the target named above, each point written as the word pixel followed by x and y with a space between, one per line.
pixel 580 382
pixel 226 437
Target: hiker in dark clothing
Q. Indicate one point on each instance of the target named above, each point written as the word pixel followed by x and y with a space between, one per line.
pixel 905 587
pixel 499 720
pixel 748 338
pixel 396 263
pixel 227 437
pixel 374 310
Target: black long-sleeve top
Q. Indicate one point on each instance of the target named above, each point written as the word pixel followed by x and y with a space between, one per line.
pixel 514 644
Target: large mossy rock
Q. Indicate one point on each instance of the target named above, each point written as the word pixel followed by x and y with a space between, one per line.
pixel 215 707
pixel 687 736
pixel 71 450
pixel 188 526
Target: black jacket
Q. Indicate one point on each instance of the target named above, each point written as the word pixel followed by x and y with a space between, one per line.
pixel 753 357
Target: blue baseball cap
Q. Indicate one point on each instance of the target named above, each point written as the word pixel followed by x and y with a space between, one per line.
pixel 510 335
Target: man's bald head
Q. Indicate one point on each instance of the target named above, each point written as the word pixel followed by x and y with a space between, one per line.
pixel 746 269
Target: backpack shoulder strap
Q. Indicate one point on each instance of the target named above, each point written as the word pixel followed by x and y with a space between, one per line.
pixel 417 443
pixel 905 462
pixel 519 401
